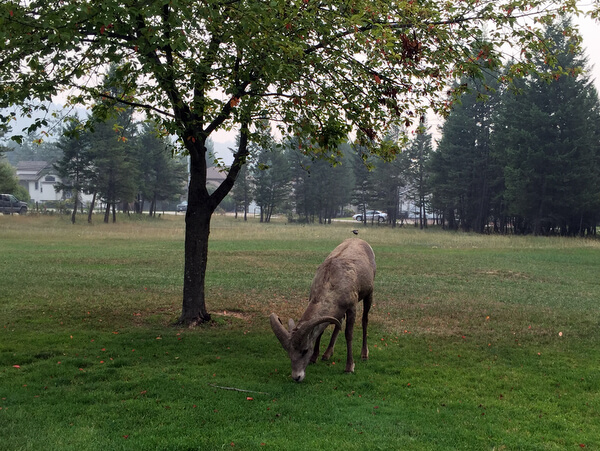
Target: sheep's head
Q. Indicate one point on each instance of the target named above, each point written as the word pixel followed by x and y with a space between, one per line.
pixel 299 341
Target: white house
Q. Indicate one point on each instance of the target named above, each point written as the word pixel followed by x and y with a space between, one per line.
pixel 39 179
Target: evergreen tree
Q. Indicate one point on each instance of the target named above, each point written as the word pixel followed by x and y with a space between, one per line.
pixel 114 163
pixel 271 173
pixel 461 168
pixel 75 167
pixel 365 193
pixel 418 155
pixel 3 130
pixel 9 183
pixel 548 142
pixel 33 151
pixel 390 179
pixel 321 187
pixel 161 176
pixel 112 147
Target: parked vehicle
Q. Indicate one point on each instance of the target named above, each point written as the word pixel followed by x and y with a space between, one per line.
pixel 10 204
pixel 372 215
pixel 182 206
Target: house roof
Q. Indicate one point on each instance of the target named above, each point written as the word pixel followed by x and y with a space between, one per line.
pixel 215 174
pixel 32 165
pixel 31 170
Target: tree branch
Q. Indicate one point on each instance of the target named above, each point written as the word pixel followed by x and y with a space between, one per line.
pixel 137 105
pixel 239 160
pixel 237 389
pixel 226 111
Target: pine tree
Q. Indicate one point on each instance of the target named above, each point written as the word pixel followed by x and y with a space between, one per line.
pixel 271 173
pixel 321 187
pixel 161 176
pixel 75 167
pixel 461 168
pixel 365 193
pixel 391 179
pixel 547 141
pixel 418 155
pixel 114 164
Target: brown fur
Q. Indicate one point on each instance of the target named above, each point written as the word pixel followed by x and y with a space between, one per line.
pixel 345 278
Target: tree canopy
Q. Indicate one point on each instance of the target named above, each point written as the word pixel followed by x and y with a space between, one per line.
pixel 320 68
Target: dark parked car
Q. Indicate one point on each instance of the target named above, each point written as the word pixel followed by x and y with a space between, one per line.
pixel 182 206
pixel 10 204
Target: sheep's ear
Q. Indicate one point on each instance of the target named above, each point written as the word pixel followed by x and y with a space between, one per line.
pixel 305 328
pixel 282 335
pixel 291 324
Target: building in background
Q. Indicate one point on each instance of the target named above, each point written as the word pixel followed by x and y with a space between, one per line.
pixel 39 178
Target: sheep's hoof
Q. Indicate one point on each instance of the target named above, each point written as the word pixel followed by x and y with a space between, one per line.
pixel 350 368
pixel 327 355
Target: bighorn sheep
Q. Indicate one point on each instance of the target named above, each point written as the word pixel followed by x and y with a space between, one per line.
pixel 342 280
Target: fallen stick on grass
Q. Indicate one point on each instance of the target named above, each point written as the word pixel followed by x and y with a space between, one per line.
pixel 237 389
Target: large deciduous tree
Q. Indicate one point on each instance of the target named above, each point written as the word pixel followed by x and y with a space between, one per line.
pixel 317 68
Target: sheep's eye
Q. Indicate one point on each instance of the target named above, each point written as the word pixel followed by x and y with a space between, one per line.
pixel 304 352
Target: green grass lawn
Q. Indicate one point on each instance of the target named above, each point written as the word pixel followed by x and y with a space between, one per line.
pixel 476 342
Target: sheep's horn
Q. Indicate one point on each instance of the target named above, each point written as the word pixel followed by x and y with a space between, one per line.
pixel 305 328
pixel 323 319
pixel 282 335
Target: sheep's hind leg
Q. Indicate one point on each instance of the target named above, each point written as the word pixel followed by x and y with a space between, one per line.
pixel 365 321
pixel 350 318
pixel 329 351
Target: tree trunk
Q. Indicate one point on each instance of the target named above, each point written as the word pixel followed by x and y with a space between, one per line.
pixel 197 231
pixel 92 204
pixel 537 220
pixel 74 207
pixel 201 206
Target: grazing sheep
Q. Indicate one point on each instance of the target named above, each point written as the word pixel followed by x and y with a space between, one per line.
pixel 342 280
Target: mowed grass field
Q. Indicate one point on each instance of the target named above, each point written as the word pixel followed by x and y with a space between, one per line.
pixel 476 342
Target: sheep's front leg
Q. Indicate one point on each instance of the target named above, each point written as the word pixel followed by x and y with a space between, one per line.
pixel 365 322
pixel 315 355
pixel 329 351
pixel 350 318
